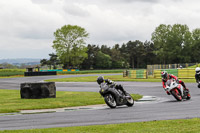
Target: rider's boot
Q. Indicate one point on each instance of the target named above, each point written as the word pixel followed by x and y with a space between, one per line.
pixel 126 94
pixel 186 92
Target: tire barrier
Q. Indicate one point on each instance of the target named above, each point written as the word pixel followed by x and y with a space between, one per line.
pixel 40 73
pixel 38 90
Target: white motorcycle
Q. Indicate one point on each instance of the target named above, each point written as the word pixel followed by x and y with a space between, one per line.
pixel 177 90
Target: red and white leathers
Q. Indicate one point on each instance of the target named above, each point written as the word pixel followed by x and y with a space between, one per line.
pixel 170 76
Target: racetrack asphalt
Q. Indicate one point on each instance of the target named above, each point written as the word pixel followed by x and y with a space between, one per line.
pixel 164 108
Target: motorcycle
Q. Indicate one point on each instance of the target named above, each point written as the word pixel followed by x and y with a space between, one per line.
pixel 198 84
pixel 115 97
pixel 177 90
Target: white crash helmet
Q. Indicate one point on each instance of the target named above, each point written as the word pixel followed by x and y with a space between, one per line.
pixel 197 69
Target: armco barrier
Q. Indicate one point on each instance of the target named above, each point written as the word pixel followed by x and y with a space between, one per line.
pixel 141 74
pixel 180 73
pixel 61 70
pixel 137 73
pixel 186 73
pixel 132 74
pixel 157 73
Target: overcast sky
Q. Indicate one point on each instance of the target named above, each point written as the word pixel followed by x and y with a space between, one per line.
pixel 27 26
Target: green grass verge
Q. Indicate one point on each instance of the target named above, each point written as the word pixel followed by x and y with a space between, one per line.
pixel 17 72
pixel 11 72
pixel 167 126
pixel 91 71
pixel 10 100
pixel 112 77
pixel 194 66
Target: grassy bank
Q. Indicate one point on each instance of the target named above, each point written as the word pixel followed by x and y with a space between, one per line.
pixel 90 71
pixel 10 100
pixel 168 126
pixel 112 77
pixel 20 72
pixel 11 72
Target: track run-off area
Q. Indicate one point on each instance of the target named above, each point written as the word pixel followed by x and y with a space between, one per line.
pixel 163 107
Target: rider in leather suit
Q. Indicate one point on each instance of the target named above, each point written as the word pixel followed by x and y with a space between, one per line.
pixel 166 76
pixel 197 76
pixel 101 79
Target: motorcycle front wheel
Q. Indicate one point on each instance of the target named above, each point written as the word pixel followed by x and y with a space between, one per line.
pixel 110 100
pixel 130 100
pixel 176 95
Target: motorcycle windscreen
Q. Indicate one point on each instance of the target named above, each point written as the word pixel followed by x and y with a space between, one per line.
pixel 168 82
pixel 104 86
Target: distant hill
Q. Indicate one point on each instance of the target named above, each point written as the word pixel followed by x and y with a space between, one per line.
pixel 20 61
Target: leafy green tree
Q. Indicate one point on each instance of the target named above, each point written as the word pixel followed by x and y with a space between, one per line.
pixel 131 52
pixel 105 49
pixel 170 41
pixel 116 57
pixel 54 61
pixel 177 41
pixel 92 51
pixel 103 61
pixel 125 54
pixel 160 39
pixel 195 45
pixel 43 62
pixel 69 45
pixel 150 57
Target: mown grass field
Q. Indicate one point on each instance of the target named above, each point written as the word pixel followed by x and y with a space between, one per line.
pixel 10 100
pixel 90 71
pixel 164 126
pixel 20 72
pixel 11 72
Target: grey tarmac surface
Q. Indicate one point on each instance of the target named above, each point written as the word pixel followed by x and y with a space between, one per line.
pixel 164 108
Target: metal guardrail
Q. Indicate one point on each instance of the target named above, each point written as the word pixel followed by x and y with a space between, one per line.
pixel 180 73
pixel 139 74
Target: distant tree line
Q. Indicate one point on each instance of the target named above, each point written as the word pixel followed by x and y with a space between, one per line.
pixel 169 44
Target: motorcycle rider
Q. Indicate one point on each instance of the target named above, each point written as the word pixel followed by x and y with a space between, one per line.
pixel 166 76
pixel 197 75
pixel 109 82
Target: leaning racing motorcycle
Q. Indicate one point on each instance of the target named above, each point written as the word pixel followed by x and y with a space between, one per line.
pixel 177 90
pixel 115 97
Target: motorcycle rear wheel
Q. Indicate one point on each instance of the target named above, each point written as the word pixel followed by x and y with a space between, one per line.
pixel 110 100
pixel 177 95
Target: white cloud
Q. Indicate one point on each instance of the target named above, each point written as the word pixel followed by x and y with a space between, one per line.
pixel 28 25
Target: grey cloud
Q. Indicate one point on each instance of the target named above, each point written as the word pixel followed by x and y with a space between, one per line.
pixel 74 10
pixel 29 25
pixel 131 1
pixel 41 1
